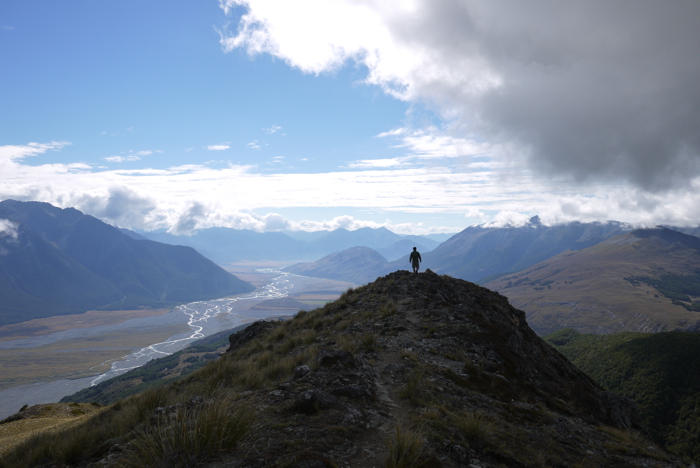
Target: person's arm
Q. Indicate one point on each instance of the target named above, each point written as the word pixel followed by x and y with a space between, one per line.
pixel 419 259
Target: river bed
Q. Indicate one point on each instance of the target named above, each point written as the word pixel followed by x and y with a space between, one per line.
pixel 203 318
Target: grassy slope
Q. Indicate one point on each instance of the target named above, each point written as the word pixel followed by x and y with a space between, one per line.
pixel 658 371
pixel 587 290
pixel 157 372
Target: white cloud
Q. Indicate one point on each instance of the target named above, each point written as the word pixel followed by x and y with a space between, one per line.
pixel 164 198
pixel 256 145
pixel 272 129
pixel 218 147
pixel 592 90
pixel 119 159
pixel 8 228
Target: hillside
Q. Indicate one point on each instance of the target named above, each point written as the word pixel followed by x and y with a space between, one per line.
pixel 646 280
pixel 63 261
pixel 357 265
pixel 658 371
pixel 481 252
pixel 410 370
pixel 157 372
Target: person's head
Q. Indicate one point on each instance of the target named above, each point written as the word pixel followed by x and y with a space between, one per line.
pixel 414 248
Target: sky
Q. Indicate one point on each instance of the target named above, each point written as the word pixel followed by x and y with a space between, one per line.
pixel 423 116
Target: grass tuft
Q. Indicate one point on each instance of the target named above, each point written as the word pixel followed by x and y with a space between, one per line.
pixel 405 447
pixel 191 436
pixel 476 428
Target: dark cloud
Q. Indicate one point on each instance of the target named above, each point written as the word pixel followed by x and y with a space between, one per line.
pixel 591 89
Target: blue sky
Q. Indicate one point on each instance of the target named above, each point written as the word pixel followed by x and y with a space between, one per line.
pixel 418 116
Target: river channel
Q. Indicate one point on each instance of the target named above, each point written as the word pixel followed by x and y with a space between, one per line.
pixel 203 318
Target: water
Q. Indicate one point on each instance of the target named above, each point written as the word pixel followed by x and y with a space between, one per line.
pixel 203 317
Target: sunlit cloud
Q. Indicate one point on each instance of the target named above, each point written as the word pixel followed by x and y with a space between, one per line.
pixel 119 159
pixel 157 198
pixel 218 147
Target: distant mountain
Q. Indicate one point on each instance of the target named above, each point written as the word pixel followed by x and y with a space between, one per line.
pixel 658 371
pixel 357 265
pixel 402 249
pixel 481 252
pixel 691 231
pixel 63 261
pixel 226 245
pixel 647 280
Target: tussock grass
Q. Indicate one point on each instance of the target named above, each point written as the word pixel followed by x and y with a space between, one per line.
pixel 405 446
pixel 369 342
pixel 413 388
pixel 388 309
pixel 192 435
pixel 476 428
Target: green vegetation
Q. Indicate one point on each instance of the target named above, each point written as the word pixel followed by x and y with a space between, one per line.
pixel 678 288
pixel 658 371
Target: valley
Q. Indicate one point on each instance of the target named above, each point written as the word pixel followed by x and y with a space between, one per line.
pixel 52 357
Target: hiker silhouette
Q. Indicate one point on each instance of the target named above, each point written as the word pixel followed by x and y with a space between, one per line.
pixel 415 260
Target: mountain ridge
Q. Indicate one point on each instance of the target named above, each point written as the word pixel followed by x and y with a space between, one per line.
pixel 119 271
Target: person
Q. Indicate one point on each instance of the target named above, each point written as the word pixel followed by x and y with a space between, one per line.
pixel 415 260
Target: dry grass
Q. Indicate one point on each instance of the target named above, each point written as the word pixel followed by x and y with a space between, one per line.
pixel 191 436
pixel 405 447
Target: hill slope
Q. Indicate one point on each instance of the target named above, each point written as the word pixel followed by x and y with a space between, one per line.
pixel 422 366
pixel 357 265
pixel 114 270
pixel 646 280
pixel 658 371
pixel 479 252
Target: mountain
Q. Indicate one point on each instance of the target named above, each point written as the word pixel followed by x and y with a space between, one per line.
pixel 357 265
pixel 226 245
pixel 658 371
pixel 410 370
pixel 480 252
pixel 647 280
pixel 104 267
pixel 691 231
pixel 38 280
pixel 400 250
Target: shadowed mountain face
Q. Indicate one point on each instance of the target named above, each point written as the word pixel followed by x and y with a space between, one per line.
pixel 477 252
pixel 647 280
pixel 38 280
pixel 658 371
pixel 71 262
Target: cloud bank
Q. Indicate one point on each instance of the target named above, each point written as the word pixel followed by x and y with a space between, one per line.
pixel 593 90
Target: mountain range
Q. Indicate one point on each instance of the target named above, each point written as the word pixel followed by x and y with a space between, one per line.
pixel 226 245
pixel 59 261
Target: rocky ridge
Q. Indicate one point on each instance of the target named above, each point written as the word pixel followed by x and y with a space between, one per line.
pixel 449 361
